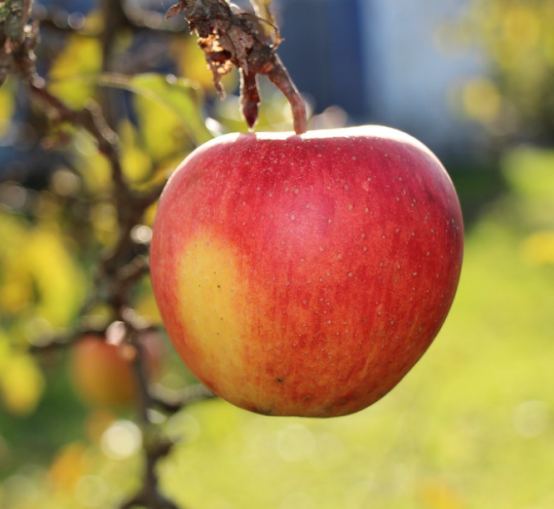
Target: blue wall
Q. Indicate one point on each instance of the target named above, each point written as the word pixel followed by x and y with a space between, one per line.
pixel 323 51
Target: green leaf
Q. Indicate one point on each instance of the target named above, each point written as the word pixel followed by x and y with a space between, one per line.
pixel 174 94
pixel 59 282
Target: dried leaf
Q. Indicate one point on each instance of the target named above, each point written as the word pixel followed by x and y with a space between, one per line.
pixel 218 60
pixel 175 9
pixel 249 98
pixel 237 42
pixel 230 37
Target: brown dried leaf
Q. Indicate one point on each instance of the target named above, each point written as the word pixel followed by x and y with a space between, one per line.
pixel 217 58
pixel 249 98
pixel 237 42
pixel 175 9
pixel 229 37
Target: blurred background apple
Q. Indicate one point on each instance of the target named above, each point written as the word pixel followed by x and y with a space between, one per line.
pixel 102 366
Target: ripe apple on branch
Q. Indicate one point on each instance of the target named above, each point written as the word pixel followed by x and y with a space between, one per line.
pixel 306 274
pixel 297 274
pixel 302 273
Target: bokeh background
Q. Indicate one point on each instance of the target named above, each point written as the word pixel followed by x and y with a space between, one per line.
pixel 471 427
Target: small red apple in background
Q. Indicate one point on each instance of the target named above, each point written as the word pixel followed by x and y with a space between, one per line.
pixel 101 368
pixel 306 275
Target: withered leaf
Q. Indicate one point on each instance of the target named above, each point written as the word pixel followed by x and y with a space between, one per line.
pixel 175 9
pixel 249 98
pixel 230 37
pixel 217 58
pixel 237 42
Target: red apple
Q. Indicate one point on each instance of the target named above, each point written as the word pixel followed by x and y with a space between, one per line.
pixel 101 370
pixel 306 275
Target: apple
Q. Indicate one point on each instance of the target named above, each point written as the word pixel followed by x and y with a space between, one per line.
pixel 101 369
pixel 306 274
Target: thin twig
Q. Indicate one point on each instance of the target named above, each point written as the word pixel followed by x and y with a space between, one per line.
pixel 136 19
pixel 172 403
pixel 89 118
pixel 155 448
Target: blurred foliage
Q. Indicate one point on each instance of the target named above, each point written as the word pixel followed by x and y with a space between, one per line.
pixel 516 39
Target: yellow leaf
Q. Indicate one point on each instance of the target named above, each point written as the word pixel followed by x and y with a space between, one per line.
pixel 263 11
pixel 80 58
pixel 136 162
pixel 482 100
pixel 16 289
pixel 38 276
pixel 4 351
pixel 68 467
pixel 147 308
pixel 21 384
pixel 7 105
pixel 15 279
pixel 150 215
pixel 192 63
pixel 13 233
pixel 104 221
pixel 58 281
pixel 93 166
pixel 170 95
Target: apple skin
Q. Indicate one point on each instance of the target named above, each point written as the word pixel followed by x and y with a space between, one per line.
pixel 306 275
pixel 102 375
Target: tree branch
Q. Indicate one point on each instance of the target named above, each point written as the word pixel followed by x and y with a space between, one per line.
pixel 173 403
pixel 120 269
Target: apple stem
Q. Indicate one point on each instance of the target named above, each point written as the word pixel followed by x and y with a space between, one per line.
pixel 280 77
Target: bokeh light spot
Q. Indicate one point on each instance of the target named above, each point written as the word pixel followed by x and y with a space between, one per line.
pixel 121 440
pixel 531 418
pixel 91 491
pixel 295 443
